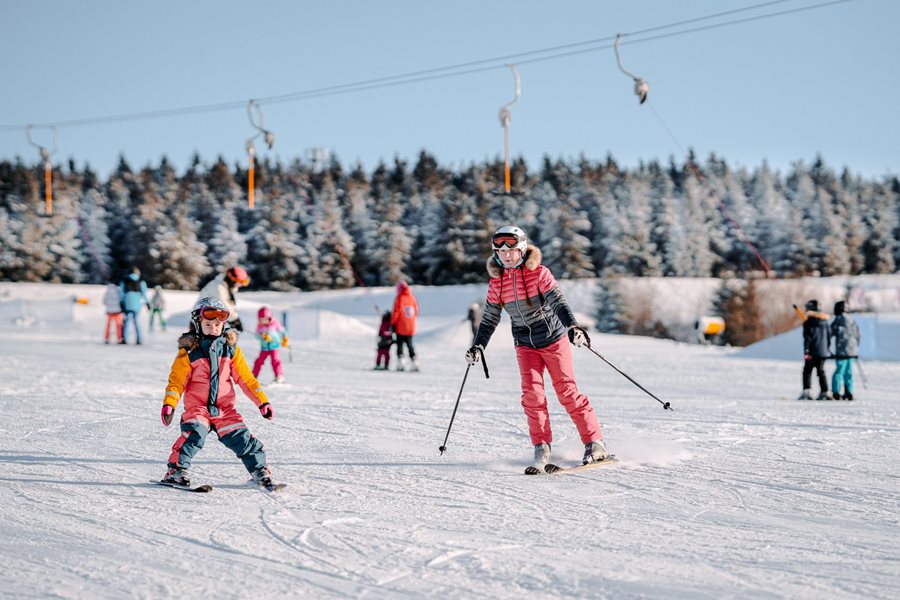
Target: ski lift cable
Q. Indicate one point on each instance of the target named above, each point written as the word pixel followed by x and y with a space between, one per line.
pixel 442 72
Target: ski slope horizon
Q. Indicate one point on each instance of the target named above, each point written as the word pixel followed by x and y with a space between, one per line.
pixel 741 491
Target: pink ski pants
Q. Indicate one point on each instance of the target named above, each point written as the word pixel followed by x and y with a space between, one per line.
pixel 557 359
pixel 113 319
pixel 261 359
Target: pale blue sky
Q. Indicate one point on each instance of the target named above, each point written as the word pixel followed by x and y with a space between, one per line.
pixel 778 89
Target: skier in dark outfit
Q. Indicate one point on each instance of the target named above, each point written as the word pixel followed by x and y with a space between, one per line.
pixel 816 344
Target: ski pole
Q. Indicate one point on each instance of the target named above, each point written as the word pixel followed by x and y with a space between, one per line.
pixel 665 405
pixel 284 318
pixel 443 446
pixel 862 375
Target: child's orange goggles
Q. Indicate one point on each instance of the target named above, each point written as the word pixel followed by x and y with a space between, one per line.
pixel 214 314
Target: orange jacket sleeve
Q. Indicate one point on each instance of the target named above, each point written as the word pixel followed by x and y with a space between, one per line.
pixel 244 378
pixel 178 376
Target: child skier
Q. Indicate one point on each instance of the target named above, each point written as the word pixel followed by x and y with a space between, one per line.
pixel 271 337
pixel 208 364
pixel 385 340
pixel 541 318
pixel 157 306
pixel 112 302
pixel 846 341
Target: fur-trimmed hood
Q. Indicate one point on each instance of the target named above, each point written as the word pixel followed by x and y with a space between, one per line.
pixel 533 258
pixel 189 341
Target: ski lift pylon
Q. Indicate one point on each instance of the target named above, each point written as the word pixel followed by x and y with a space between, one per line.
pixel 641 87
pixel 268 136
pixel 505 118
pixel 48 165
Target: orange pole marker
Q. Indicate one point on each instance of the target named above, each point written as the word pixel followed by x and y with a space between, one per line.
pixel 48 186
pixel 250 174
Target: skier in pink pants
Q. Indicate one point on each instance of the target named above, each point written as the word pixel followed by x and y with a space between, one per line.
pixel 271 337
pixel 541 318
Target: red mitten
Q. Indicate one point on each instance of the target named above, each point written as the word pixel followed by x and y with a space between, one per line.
pixel 265 409
pixel 166 414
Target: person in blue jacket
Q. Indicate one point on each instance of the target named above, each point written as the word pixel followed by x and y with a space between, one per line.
pixel 846 336
pixel 133 290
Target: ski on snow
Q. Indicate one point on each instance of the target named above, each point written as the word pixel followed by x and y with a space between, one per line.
pixel 275 487
pixel 186 488
pixel 552 469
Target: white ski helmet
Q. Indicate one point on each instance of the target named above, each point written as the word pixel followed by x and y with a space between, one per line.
pixel 510 237
pixel 214 305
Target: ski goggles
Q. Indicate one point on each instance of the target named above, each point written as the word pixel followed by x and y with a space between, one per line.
pixel 505 240
pixel 214 314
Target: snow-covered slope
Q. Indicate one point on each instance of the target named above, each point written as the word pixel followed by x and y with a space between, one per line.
pixel 740 492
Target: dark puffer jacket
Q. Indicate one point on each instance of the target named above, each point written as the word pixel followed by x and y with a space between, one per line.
pixel 816 335
pixel 530 294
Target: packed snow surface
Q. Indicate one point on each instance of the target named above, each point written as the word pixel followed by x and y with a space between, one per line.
pixel 740 492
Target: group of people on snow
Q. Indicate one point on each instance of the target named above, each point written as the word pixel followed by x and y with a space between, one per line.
pixel 209 361
pixel 398 326
pixel 818 333
pixel 123 303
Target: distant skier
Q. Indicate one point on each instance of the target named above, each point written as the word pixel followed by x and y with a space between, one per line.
pixel 133 290
pixel 846 336
pixel 208 364
pixel 541 318
pixel 816 345
pixel 403 320
pixel 112 302
pixel 385 341
pixel 271 337
pixel 157 308
pixel 474 317
pixel 224 287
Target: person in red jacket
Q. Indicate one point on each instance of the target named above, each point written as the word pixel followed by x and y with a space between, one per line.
pixel 403 321
pixel 541 321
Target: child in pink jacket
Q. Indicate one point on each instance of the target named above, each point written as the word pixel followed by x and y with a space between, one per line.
pixel 208 365
pixel 271 337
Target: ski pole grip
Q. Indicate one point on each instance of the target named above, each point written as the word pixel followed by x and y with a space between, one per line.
pixel 484 365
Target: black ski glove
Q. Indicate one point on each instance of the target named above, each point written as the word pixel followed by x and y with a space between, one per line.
pixel 579 336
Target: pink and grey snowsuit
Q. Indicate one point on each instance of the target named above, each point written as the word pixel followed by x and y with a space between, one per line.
pixel 210 398
pixel 540 319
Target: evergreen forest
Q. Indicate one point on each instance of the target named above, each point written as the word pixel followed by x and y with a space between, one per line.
pixel 327 226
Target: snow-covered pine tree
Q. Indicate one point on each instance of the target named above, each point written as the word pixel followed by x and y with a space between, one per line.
pixel 274 248
pixel 329 248
pixel 610 311
pixel 181 257
pixel 880 217
pixel 93 228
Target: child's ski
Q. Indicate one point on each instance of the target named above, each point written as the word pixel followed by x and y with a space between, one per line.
pixel 272 487
pixel 186 488
pixel 552 469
